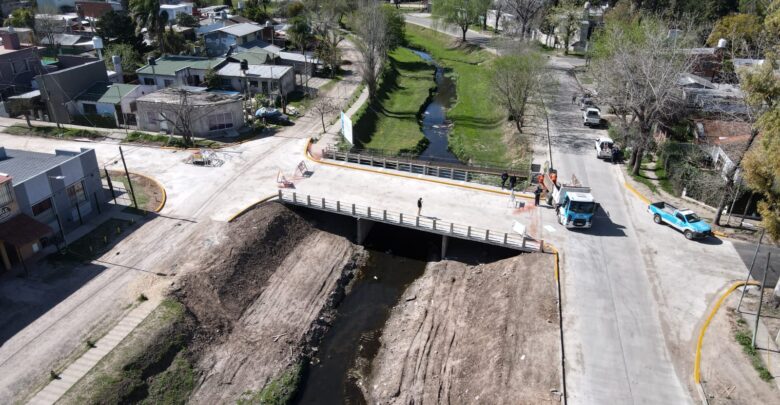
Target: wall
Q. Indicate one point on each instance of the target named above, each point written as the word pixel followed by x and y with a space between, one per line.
pixel 22 74
pixel 61 87
pixel 200 126
pixel 286 83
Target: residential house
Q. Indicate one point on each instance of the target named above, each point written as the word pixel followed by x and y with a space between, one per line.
pixel 708 62
pixel 174 10
pixel 112 101
pixel 208 113
pixel 73 44
pixel 302 63
pixel 704 97
pixel 172 70
pixel 59 89
pixel 20 236
pixel 268 79
pixel 61 190
pixel 25 34
pixel 18 65
pixel 723 141
pixel 96 9
pixel 219 41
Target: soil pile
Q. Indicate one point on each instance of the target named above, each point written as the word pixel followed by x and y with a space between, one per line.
pixel 472 334
pixel 258 297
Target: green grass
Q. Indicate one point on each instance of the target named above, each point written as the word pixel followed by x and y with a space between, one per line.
pixel 659 172
pixel 477 132
pixel 94 243
pixel 279 391
pixel 745 340
pixel 52 132
pixel 390 123
pixel 167 140
pixel 172 386
pixel 141 198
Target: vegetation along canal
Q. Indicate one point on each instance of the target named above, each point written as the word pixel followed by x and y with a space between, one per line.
pixel 434 121
pixel 396 259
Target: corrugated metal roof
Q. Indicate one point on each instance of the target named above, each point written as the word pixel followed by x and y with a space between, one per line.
pixel 108 93
pixel 23 165
pixel 258 71
pixel 253 57
pixel 169 65
pixel 240 30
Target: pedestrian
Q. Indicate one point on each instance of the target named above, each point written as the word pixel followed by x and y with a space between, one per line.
pixel 419 206
pixel 615 155
pixel 574 98
pixel 537 194
pixel 504 176
pixel 512 182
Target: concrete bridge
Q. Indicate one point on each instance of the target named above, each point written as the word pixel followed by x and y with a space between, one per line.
pixel 366 216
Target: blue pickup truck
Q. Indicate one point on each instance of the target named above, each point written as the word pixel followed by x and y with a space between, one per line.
pixel 685 221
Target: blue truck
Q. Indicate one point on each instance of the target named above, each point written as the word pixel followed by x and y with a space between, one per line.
pixel 684 220
pixel 574 205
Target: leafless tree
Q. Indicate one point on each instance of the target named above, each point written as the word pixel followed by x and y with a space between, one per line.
pixel 525 12
pixel 372 43
pixel 637 71
pixel 323 106
pixel 48 27
pixel 498 7
pixel 183 115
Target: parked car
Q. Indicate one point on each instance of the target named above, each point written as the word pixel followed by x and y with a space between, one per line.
pixel 591 117
pixel 684 220
pixel 604 148
pixel 267 112
pixel 587 102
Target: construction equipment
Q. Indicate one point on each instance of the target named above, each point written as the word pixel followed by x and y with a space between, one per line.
pixel 574 205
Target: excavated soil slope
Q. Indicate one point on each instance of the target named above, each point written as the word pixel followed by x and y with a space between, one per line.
pixel 472 334
pixel 258 295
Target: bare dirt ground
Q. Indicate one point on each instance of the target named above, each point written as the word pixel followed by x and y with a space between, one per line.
pixel 257 298
pixel 726 371
pixel 472 334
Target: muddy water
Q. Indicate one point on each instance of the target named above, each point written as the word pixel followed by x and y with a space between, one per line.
pixel 397 258
pixel 434 123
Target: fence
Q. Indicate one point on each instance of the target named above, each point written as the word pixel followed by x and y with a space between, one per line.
pixel 510 240
pixel 482 174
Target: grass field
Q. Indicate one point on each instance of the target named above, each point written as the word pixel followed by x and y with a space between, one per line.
pixel 52 132
pixel 390 123
pixel 477 132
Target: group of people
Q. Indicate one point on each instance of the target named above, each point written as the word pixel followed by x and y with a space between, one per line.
pixel 512 180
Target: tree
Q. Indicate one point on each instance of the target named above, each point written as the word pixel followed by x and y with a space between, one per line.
pixel 183 115
pixel 295 9
pixel 460 13
pixel 147 15
pixel 323 106
pixel 498 6
pixel 118 28
pixel 328 50
pixel 396 28
pixel 566 19
pixel 186 20
pixel 371 43
pixel 173 42
pixel 636 67
pixel 299 32
pixel 741 31
pixel 212 80
pixel 131 59
pixel 525 11
pixel 516 78
pixel 48 27
pixel 21 18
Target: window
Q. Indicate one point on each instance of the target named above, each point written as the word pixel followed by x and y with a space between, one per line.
pixel 168 83
pixel 680 217
pixel 148 81
pixel 220 121
pixel 76 193
pixel 226 83
pixel 41 207
pixel 6 196
pixel 151 116
pixel 90 108
pixel 253 83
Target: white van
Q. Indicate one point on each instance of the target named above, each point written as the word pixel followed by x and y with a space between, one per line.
pixel 591 116
pixel 604 148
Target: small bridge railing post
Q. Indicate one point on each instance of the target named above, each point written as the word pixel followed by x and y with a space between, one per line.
pixel 401 218
pixel 505 236
pixel 452 227
pixel 369 212
pixel 280 194
pixel 353 209
pixel 468 232
pixel 523 244
pixel 487 234
pixel 338 206
pixel 295 199
pixel 434 224
pixel 323 202
pixel 384 215
pixel 308 200
pixel 417 221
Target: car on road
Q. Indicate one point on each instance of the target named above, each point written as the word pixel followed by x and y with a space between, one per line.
pixel 684 220
pixel 604 148
pixel 591 117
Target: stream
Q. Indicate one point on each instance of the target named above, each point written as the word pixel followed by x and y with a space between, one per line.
pixel 396 259
pixel 434 122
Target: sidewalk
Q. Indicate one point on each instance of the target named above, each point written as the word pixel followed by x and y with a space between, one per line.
pixel 79 368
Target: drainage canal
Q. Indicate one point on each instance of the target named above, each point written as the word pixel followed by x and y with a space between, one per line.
pixel 434 121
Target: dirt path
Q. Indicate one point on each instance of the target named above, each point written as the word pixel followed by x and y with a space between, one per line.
pixel 484 334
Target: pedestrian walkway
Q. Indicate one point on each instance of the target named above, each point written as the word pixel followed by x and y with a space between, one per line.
pixel 79 368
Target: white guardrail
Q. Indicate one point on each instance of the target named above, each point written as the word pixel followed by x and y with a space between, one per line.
pixel 512 240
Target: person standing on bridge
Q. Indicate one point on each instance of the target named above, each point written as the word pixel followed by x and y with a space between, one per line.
pixel 419 206
pixel 537 194
pixel 512 182
pixel 504 177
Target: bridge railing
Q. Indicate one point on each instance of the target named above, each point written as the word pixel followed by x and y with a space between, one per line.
pixel 506 239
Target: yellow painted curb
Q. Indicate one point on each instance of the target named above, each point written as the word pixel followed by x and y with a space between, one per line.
pixel 424 178
pixel 637 193
pixel 164 194
pixel 250 206
pixel 697 362
pixel 720 234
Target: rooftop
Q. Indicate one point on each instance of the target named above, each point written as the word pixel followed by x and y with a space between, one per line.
pixel 173 95
pixel 107 93
pixel 170 64
pixel 23 165
pixel 261 71
pixel 690 79
pixel 259 44
pixel 253 57
pixel 298 57
pixel 242 29
pixel 721 132
pixel 67 40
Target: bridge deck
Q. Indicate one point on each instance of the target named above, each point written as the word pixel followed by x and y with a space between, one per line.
pixel 511 240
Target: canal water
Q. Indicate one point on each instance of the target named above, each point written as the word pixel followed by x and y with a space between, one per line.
pixel 397 257
pixel 435 125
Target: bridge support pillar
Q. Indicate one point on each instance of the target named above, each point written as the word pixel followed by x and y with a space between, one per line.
pixel 363 227
pixel 445 241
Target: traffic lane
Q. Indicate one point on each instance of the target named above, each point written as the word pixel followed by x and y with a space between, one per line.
pixel 747 250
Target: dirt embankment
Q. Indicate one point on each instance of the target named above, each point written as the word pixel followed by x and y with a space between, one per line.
pixel 472 334
pixel 258 298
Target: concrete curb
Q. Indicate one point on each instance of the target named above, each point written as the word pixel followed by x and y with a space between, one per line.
pixel 420 177
pixel 555 253
pixel 249 207
pixel 700 340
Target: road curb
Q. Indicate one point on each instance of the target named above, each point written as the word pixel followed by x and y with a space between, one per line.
pixel 419 177
pixel 164 193
pixel 700 340
pixel 556 255
pixel 250 206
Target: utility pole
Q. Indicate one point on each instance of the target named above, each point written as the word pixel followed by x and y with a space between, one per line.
pixel 761 298
pixel 750 271
pixel 129 183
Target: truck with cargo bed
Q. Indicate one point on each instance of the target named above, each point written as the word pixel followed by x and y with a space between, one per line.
pixel 684 220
